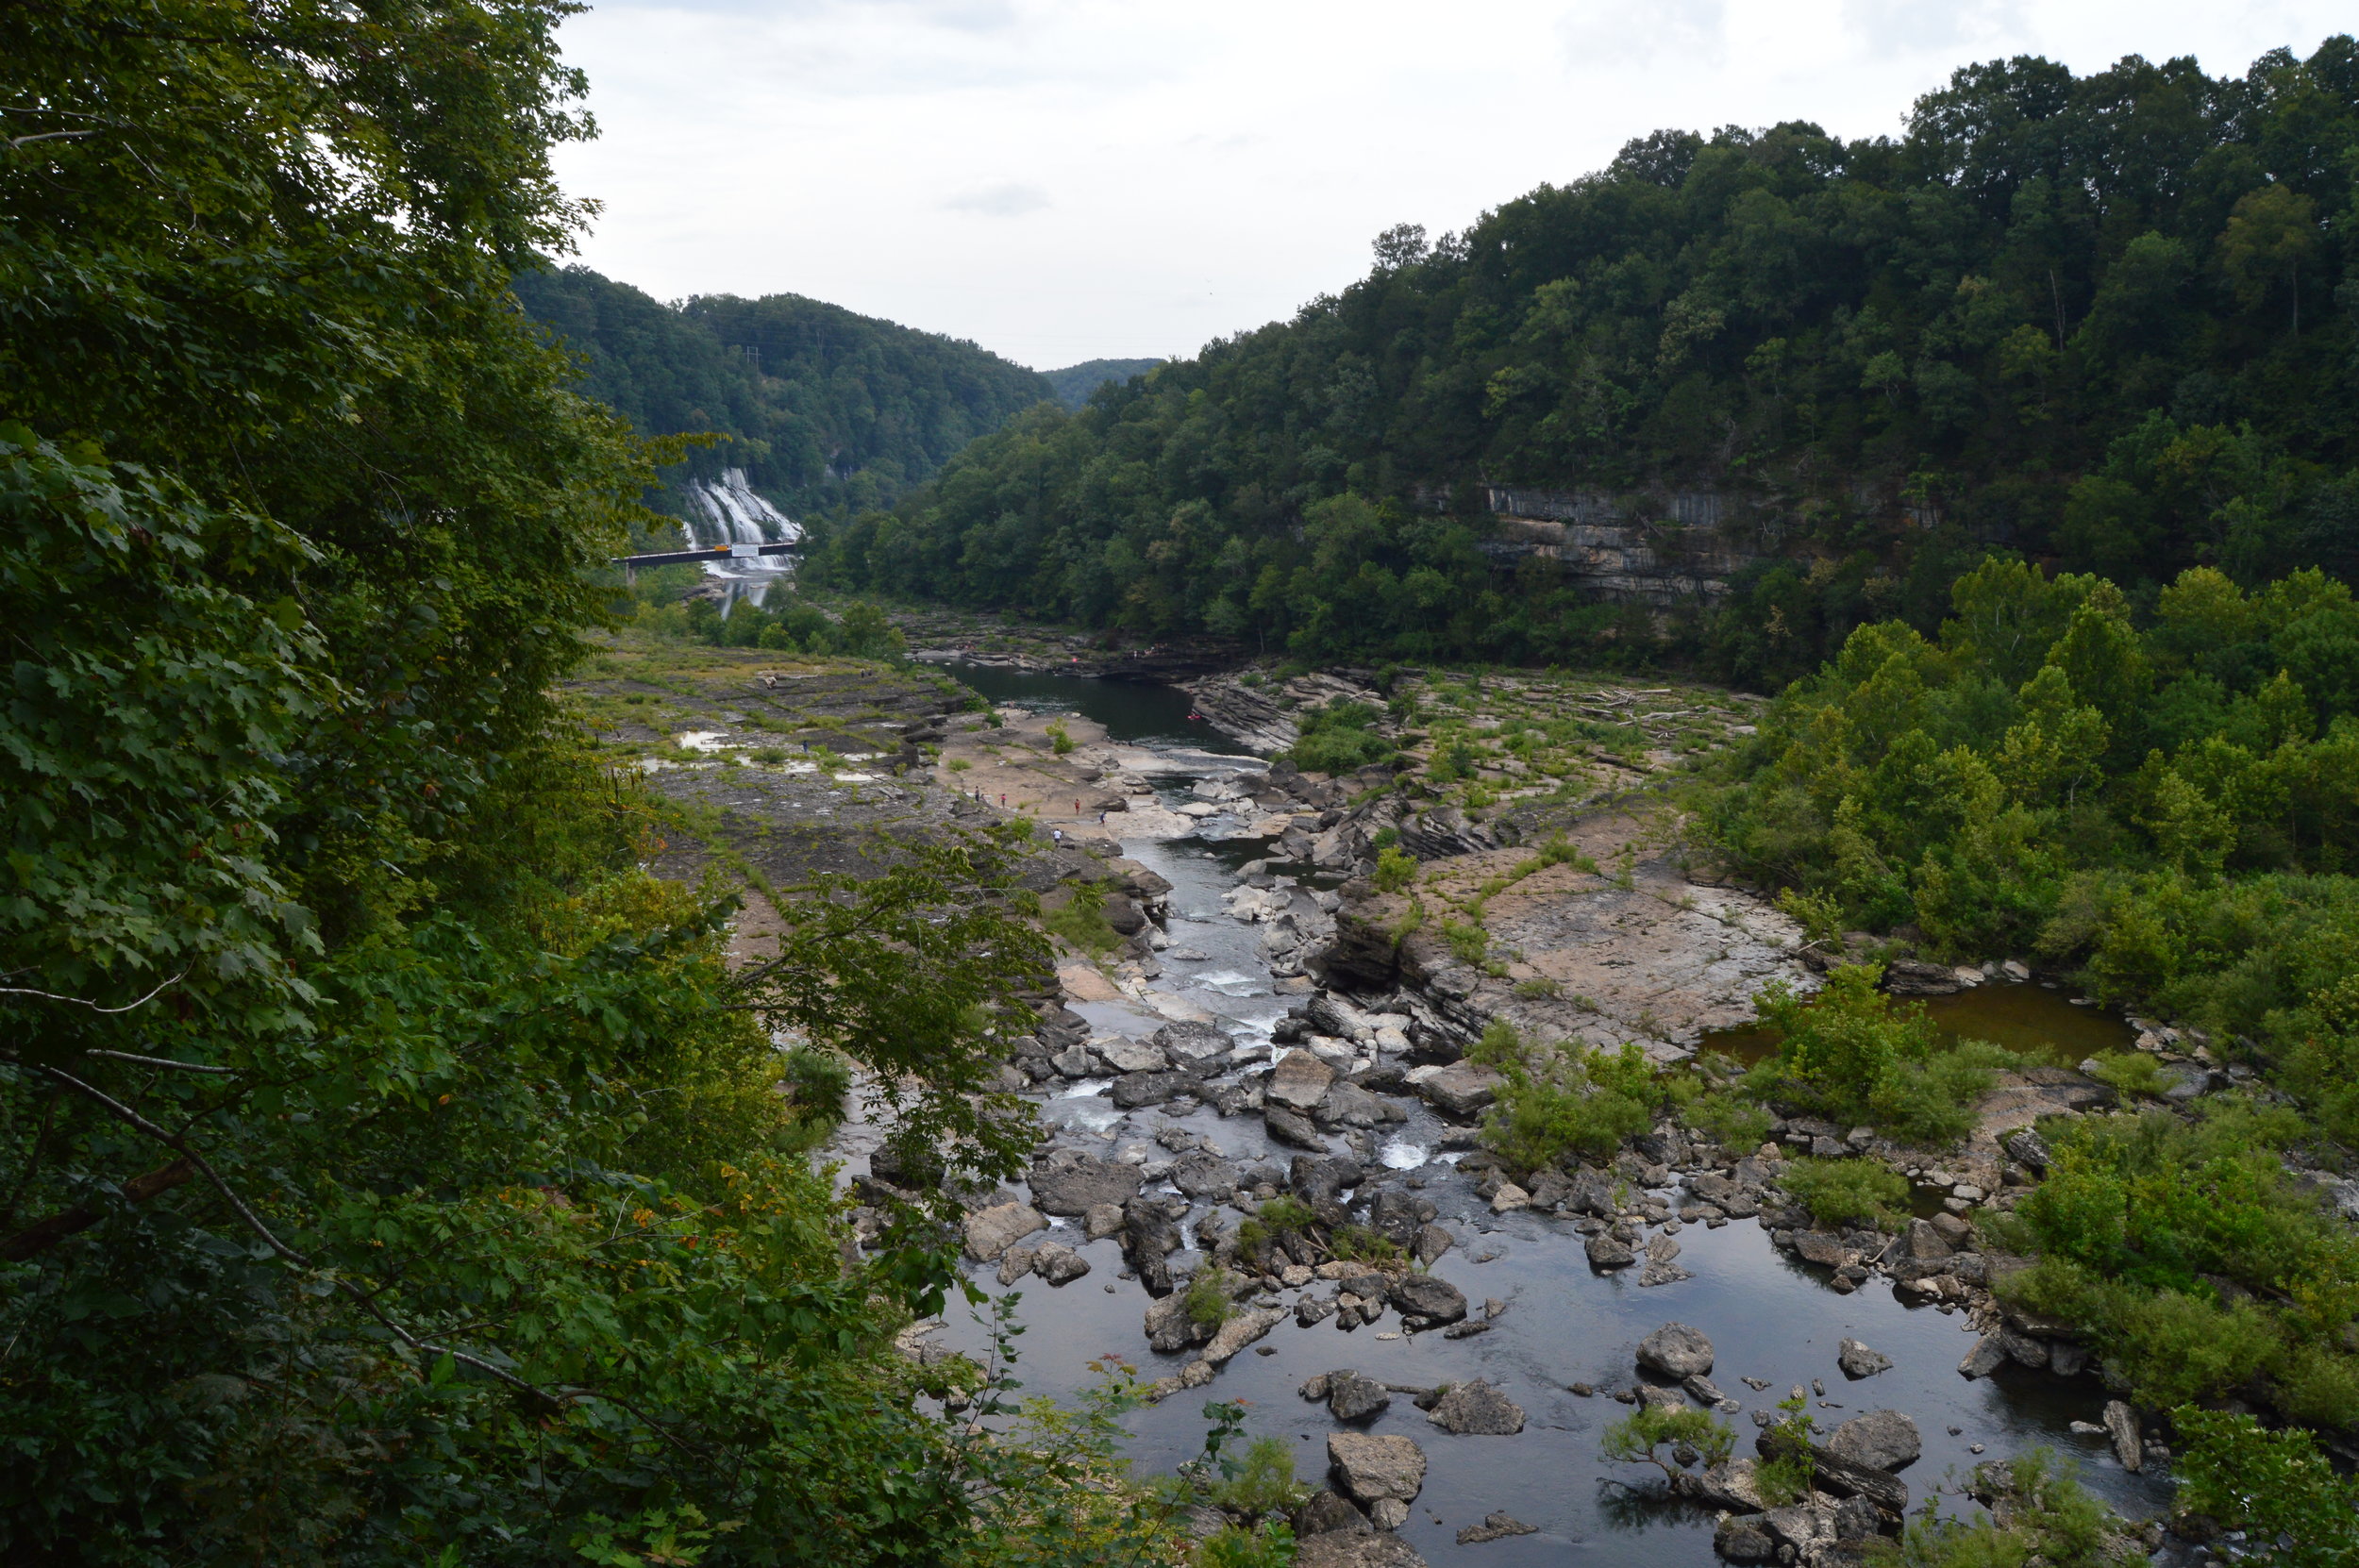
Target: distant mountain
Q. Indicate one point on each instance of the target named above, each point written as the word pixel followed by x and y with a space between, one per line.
pixel 826 410
pixel 1075 383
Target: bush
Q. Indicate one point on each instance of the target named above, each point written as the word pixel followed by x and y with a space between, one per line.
pixel 1060 738
pixel 1272 1546
pixel 2176 1348
pixel 1081 920
pixel 1339 738
pixel 1853 1054
pixel 1563 1099
pixel 2050 1519
pixel 2277 1487
pixel 1395 870
pixel 1636 1438
pixel 1358 1244
pixel 2133 1074
pixel 1209 1301
pixel 1728 1120
pixel 1265 1481
pixel 1846 1192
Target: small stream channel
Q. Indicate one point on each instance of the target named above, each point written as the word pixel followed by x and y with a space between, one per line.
pixel 1769 1315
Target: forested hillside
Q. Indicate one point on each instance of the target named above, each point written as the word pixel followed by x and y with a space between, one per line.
pixel 822 408
pixel 1076 383
pixel 2101 321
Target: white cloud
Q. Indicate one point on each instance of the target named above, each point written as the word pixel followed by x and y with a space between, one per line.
pixel 999 201
pixel 1681 34
pixel 1182 172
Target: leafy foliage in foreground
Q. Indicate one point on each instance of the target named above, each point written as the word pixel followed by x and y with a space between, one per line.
pixel 2103 318
pixel 389 1169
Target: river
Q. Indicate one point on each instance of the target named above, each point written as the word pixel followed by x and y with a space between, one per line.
pixel 1769 1316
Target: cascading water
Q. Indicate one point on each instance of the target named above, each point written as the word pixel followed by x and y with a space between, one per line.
pixel 727 511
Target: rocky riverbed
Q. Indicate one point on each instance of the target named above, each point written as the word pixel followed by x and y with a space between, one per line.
pixel 1259 1176
pixel 1493 1314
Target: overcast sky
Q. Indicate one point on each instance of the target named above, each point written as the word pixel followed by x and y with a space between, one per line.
pixel 1073 179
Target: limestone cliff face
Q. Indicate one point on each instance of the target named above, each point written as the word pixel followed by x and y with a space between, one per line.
pixel 1669 549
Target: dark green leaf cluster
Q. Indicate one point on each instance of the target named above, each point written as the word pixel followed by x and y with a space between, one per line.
pixel 1339 738
pixel 2194 1261
pixel 388 1168
pixel 2102 317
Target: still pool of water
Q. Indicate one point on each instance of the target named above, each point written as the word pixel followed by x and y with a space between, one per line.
pixel 2035 1021
pixel 1135 713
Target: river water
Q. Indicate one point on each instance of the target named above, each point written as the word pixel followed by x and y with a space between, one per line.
pixel 1769 1316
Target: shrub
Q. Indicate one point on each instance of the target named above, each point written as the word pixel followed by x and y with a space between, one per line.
pixel 1637 1436
pixel 1209 1301
pixel 1339 738
pixel 1272 1546
pixel 1729 1121
pixel 1081 920
pixel 1469 943
pixel 2132 1074
pixel 2276 1487
pixel 1265 1481
pixel 1932 1101
pixel 1395 870
pixel 1059 738
pixel 1358 1244
pixel 958 764
pixel 2176 1348
pixel 1286 1215
pixel 1846 1192
pixel 1539 988
pixel 2049 1519
pixel 1563 1099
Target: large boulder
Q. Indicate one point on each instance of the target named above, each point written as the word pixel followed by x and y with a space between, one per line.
pixel 1382 1474
pixel 1607 1252
pixel 1133 1090
pixel 1198 1047
pixel 1060 1265
pixel 1170 1328
pixel 1356 1549
pixel 1352 1397
pixel 1743 1538
pixel 1075 1188
pixel 1676 1350
pixel 1477 1409
pixel 991 1231
pixel 1348 1104
pixel 1327 1510
pixel 1857 1361
pixel 1292 1129
pixel 1132 1055
pixel 1241 1330
pixel 1149 1240
pixel 1881 1440
pixel 1298 1082
pixel 1462 1090
pixel 1204 1175
pixel 1422 1295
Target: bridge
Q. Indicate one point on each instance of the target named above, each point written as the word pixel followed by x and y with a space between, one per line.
pixel 630 565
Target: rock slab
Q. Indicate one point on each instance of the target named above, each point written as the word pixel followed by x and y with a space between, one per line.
pixel 1676 1350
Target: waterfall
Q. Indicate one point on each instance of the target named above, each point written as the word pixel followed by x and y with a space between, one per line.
pixel 727 511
